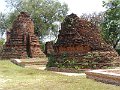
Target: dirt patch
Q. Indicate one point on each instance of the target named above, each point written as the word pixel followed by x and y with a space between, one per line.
pixel 3 80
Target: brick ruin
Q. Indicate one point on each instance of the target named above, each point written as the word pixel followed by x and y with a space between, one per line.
pixel 21 40
pixel 80 40
pixel 49 48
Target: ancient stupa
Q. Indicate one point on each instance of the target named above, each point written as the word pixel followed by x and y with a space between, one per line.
pixel 80 40
pixel 21 40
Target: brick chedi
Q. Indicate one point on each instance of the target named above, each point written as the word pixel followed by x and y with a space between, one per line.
pixel 21 40
pixel 81 40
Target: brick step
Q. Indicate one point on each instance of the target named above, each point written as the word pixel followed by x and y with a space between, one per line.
pixel 39 62
pixel 41 67
pixel 35 66
pixel 35 63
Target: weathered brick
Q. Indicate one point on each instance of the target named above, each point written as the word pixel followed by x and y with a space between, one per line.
pixel 21 40
pixel 81 40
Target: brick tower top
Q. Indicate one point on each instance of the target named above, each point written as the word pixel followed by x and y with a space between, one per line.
pixel 24 23
pixel 76 31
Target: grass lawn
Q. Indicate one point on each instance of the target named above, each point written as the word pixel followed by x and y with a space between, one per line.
pixel 13 77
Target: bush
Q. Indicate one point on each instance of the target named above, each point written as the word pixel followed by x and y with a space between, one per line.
pixel 118 51
pixel 43 47
pixel 51 61
pixel 2 42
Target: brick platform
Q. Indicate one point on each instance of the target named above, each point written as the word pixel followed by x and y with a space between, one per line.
pixel 37 63
pixel 104 76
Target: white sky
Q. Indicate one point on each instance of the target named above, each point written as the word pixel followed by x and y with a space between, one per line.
pixel 2 6
pixel 75 6
pixel 84 6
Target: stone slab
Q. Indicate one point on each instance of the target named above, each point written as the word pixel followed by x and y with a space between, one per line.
pixel 38 63
pixel 104 76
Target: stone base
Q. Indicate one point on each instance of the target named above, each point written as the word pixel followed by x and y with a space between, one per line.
pixel 37 63
pixel 103 76
pixel 90 60
pixel 68 70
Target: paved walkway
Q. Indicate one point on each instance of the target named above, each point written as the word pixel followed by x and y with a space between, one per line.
pixel 43 66
pixel 71 74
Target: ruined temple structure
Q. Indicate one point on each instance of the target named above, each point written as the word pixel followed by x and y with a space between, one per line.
pixel 80 40
pixel 21 40
pixel 49 48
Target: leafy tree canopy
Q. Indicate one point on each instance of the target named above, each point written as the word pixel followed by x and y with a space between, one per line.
pixel 95 18
pixel 111 24
pixel 2 23
pixel 45 14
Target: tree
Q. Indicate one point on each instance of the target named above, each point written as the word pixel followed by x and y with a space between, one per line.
pixel 45 14
pixel 2 41
pixel 95 18
pixel 2 23
pixel 111 24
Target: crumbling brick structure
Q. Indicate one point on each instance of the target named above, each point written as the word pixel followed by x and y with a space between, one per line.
pixel 21 40
pixel 81 40
pixel 49 48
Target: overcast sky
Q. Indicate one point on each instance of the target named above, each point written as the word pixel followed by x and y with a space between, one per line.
pixel 84 6
pixel 75 6
pixel 2 6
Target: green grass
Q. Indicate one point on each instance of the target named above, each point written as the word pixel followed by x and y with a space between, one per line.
pixel 13 77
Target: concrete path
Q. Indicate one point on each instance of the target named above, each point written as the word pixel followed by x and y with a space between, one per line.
pixel 71 74
pixel 42 66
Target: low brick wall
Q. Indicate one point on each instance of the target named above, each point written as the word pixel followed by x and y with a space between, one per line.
pixel 31 61
pixel 103 76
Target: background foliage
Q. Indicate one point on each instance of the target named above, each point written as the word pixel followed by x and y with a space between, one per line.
pixel 45 14
pixel 111 24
